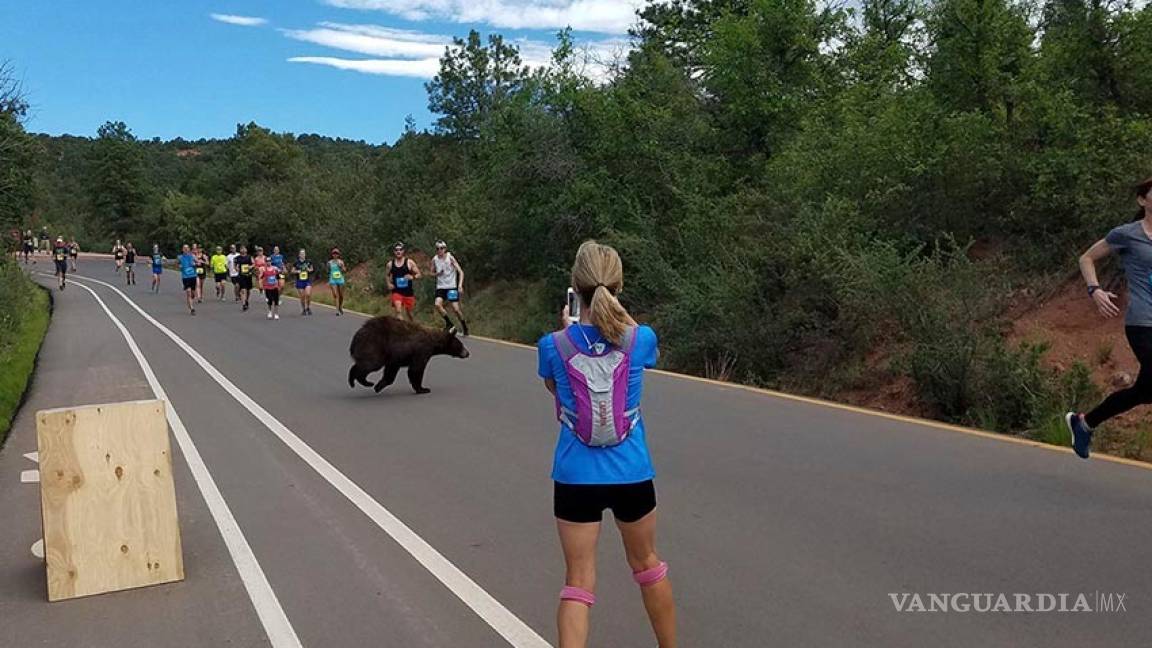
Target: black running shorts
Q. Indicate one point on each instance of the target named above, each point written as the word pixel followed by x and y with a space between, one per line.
pixel 586 502
pixel 189 283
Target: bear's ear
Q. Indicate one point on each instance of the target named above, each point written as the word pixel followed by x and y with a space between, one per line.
pixel 452 331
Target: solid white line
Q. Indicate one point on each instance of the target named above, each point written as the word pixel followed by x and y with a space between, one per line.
pixel 276 625
pixel 29 476
pixel 502 620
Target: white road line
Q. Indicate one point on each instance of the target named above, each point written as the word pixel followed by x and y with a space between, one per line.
pixel 38 548
pixel 500 618
pixel 276 625
pixel 29 476
pixel 32 456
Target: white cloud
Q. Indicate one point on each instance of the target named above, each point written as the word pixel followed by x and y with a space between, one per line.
pixel 420 68
pixel 606 16
pixel 373 40
pixel 417 54
pixel 243 21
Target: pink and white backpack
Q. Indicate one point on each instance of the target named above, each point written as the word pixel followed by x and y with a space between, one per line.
pixel 600 387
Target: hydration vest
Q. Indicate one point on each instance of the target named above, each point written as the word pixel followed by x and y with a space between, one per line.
pixel 600 388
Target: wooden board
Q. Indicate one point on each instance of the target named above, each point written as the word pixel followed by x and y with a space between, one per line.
pixel 107 499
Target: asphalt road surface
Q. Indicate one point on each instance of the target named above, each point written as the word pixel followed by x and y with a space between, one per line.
pixel 317 515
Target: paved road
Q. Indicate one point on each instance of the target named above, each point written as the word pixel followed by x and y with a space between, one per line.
pixel 403 520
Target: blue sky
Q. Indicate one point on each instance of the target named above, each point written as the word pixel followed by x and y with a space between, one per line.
pixel 344 68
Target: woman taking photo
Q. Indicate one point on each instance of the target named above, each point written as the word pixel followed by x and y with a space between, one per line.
pixel 595 371
pixel 1132 243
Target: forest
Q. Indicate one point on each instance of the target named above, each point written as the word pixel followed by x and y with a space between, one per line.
pixel 807 196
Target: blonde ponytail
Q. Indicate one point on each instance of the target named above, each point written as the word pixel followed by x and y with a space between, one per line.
pixel 598 275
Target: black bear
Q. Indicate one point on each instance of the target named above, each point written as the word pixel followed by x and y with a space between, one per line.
pixel 389 343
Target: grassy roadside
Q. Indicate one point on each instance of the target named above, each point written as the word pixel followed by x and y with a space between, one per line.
pixel 18 354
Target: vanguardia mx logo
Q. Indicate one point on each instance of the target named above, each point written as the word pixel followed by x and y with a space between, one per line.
pixel 985 602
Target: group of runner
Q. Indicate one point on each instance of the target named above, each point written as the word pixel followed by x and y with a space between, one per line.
pixel 269 273
pixel 30 245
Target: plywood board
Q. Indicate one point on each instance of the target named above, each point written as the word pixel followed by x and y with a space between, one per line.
pixel 107 499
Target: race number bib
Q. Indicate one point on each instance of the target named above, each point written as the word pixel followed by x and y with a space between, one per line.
pixel 59 257
pixel 337 275
pixel 402 282
pixel 200 271
pixel 244 268
pixel 453 295
pixel 303 275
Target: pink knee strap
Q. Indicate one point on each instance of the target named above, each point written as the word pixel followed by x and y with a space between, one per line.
pixel 651 576
pixel 577 594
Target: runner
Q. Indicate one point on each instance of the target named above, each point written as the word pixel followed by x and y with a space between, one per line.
pixel 402 272
pixel 277 259
pixel 29 247
pixel 219 271
pixel 60 256
pixel 45 241
pixel 118 253
pixel 449 285
pixel 233 273
pixel 202 266
pixel 270 282
pixel 157 267
pixel 303 271
pixel 258 263
pixel 188 276
pixel 73 252
pixel 243 264
pixel 1132 243
pixel 130 264
pixel 336 270
pixel 593 469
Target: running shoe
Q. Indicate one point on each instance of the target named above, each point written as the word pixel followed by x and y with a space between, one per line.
pixel 193 311
pixel 276 316
pixel 1081 434
pixel 465 325
pixel 269 314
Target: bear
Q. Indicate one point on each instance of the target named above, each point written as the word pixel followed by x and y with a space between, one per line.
pixel 389 343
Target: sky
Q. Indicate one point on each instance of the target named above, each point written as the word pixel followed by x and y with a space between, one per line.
pixel 193 69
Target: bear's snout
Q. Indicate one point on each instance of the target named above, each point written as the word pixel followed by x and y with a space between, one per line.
pixel 463 354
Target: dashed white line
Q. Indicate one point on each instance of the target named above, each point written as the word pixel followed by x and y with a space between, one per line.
pixel 501 619
pixel 29 476
pixel 280 632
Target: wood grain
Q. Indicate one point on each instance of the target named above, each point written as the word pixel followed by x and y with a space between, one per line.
pixel 107 499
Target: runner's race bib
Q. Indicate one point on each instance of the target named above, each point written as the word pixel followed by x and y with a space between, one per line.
pixel 453 295
pixel 337 275
pixel 402 282
pixel 244 268
pixel 200 271
pixel 303 275
pixel 59 257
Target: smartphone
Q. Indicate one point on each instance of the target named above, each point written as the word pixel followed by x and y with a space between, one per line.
pixel 573 307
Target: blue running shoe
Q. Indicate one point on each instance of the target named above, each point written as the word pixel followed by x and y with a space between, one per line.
pixel 1081 435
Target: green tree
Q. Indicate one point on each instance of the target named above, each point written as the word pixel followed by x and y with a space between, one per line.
pixel 116 186
pixel 474 79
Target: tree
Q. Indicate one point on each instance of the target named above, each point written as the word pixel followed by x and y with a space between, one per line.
pixel 17 153
pixel 981 50
pixel 473 81
pixel 116 186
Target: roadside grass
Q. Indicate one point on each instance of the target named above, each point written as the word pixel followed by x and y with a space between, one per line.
pixel 18 356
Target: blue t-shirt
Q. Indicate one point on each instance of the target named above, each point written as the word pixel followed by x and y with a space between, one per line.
pixel 278 260
pixel 576 463
pixel 187 266
pixel 157 263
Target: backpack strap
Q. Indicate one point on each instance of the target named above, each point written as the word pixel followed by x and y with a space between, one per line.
pixel 567 350
pixel 564 345
pixel 628 340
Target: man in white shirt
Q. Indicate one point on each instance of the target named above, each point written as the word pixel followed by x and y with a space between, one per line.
pixel 449 285
pixel 233 272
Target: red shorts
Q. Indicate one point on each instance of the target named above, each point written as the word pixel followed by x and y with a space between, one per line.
pixel 408 302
